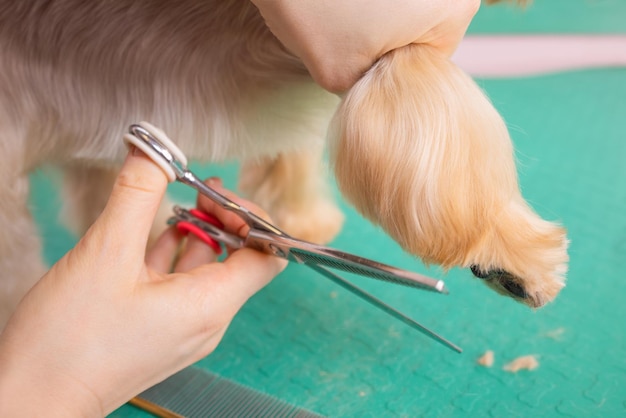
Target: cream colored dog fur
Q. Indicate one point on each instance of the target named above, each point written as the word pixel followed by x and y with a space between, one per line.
pixel 415 144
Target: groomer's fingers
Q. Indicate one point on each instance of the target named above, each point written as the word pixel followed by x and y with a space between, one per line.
pixel 231 283
pixel 231 221
pixel 125 223
pixel 161 256
pixel 195 253
pixel 450 32
pixel 188 252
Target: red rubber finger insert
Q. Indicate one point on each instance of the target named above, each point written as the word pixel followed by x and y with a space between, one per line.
pixel 186 227
pixel 207 217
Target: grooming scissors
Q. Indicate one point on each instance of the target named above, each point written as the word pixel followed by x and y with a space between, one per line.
pixel 267 238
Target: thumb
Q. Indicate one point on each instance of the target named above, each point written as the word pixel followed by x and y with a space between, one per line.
pixel 137 193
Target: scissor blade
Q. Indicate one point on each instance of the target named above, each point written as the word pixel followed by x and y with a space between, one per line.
pixel 309 253
pixel 383 306
pixel 368 268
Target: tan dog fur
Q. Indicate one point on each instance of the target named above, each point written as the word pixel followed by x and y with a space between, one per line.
pixel 416 146
pixel 442 164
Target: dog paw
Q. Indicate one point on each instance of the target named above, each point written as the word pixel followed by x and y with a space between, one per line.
pixel 523 257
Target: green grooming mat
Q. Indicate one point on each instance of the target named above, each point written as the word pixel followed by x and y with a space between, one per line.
pixel 552 16
pixel 308 342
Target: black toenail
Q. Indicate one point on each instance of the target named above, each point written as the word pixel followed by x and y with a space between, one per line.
pixel 476 271
pixel 503 279
pixel 514 288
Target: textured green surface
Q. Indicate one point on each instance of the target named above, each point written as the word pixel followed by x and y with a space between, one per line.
pixel 308 342
pixel 553 16
pixel 197 393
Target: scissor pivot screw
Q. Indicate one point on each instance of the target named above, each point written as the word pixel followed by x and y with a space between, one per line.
pixel 277 251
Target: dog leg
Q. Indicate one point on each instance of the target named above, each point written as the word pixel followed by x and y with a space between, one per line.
pixel 420 150
pixel 292 188
pixel 84 195
pixel 21 264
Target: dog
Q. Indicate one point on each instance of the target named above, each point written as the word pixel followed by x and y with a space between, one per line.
pixel 415 145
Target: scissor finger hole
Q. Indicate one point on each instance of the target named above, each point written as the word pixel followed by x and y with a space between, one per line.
pixel 186 228
pixel 160 136
pixel 154 156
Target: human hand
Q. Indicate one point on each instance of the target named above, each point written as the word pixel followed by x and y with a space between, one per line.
pixel 108 321
pixel 339 40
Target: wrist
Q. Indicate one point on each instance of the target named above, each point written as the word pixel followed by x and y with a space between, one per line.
pixel 29 387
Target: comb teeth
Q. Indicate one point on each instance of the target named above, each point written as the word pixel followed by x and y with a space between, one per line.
pixel 401 277
pixel 194 392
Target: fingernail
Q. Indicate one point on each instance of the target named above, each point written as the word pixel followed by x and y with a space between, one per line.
pixel 214 181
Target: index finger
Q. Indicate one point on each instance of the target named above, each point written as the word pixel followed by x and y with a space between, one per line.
pixel 232 222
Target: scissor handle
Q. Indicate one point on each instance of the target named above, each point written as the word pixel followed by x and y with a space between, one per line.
pixel 199 228
pixel 162 150
pixel 206 227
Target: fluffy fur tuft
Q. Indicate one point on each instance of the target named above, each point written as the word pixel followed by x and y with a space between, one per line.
pixel 420 150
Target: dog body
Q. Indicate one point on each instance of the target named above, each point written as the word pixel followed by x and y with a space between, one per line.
pixel 74 75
